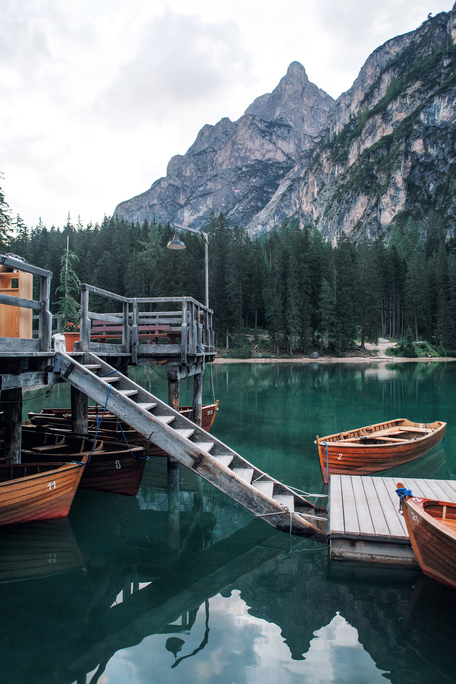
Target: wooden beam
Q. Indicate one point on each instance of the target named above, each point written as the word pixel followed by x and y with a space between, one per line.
pixel 173 504
pixel 19 344
pixel 11 405
pixel 197 413
pixel 173 391
pixel 79 412
pixel 19 301
pixel 30 379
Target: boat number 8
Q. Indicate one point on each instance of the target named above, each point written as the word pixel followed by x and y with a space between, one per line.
pixel 118 466
pixel 414 517
pixel 51 485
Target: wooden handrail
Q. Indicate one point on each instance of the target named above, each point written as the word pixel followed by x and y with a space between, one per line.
pixel 43 305
pixel 190 321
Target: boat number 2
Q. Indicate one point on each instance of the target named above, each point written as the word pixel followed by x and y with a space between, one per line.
pixel 51 485
pixel 118 466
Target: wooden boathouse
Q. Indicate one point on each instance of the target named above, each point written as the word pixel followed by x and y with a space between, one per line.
pixel 175 333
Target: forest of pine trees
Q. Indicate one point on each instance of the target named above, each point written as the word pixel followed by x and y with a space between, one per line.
pixel 304 292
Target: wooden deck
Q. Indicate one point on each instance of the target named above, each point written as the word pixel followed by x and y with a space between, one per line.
pixel 364 520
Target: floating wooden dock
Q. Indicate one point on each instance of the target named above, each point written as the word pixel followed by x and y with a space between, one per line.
pixel 364 520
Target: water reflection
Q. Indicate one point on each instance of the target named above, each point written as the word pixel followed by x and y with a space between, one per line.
pixel 233 601
pixel 430 625
pixel 255 606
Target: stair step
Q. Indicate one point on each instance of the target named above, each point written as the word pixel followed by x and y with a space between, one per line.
pixel 128 393
pixel 245 474
pixel 111 379
pixel 184 432
pixel 166 420
pixel 266 488
pixel 92 366
pixel 204 446
pixel 286 500
pixel 224 459
pixel 146 405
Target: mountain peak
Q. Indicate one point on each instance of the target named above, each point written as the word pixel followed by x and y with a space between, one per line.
pixel 296 70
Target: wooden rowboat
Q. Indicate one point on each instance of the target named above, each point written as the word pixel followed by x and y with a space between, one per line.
pixel 377 447
pixel 431 525
pixel 112 467
pixel 38 491
pixel 61 417
pixel 110 427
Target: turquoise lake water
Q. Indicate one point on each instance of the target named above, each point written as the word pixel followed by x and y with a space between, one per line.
pixel 108 595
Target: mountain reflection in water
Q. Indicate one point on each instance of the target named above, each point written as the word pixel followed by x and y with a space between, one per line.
pixel 233 601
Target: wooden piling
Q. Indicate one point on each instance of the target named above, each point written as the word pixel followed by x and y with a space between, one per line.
pixel 79 412
pixel 197 413
pixel 173 472
pixel 11 405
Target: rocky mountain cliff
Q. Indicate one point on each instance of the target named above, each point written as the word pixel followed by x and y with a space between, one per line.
pixel 385 149
pixel 236 167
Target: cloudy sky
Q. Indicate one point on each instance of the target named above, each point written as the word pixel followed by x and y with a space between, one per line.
pixel 98 95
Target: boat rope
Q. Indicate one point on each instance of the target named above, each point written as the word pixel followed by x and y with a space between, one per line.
pixel 314 517
pixel 301 491
pixel 212 384
pixel 99 424
pixel 327 460
pixel 141 458
pixel 286 511
pixel 402 493
pixel 427 428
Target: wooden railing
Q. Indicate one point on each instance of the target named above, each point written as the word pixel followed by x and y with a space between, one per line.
pixel 148 326
pixel 44 333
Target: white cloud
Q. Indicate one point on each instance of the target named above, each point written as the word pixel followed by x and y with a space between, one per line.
pixel 98 95
pixel 181 61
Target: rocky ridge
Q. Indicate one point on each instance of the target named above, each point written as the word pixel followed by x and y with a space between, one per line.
pixel 236 167
pixel 384 150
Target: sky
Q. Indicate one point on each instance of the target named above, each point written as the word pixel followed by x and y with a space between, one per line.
pixel 98 95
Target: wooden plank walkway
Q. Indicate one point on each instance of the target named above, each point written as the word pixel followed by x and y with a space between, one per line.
pixel 364 520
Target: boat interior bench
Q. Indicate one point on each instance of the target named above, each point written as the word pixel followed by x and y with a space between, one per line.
pixel 103 331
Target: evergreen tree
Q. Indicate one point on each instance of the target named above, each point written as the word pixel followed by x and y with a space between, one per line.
pixel 68 306
pixel 5 220
pixel 344 288
pixel 326 315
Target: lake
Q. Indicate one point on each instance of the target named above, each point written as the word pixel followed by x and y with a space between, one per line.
pixel 110 596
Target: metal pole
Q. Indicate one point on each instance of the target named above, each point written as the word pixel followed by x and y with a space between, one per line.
pixel 206 262
pixel 179 226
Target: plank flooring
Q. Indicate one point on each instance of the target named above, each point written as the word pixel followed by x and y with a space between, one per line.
pixel 364 520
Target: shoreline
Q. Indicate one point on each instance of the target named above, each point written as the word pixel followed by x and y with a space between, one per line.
pixel 332 359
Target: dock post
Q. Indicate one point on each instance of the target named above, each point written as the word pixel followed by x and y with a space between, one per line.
pixel 79 412
pixel 11 405
pixel 197 412
pixel 173 471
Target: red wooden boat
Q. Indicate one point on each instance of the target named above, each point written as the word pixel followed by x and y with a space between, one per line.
pixel 38 491
pixel 112 467
pixel 431 525
pixel 374 448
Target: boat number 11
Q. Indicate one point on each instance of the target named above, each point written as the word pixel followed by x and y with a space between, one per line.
pixel 51 485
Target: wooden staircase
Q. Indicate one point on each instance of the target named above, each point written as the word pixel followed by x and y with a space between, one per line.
pixel 189 444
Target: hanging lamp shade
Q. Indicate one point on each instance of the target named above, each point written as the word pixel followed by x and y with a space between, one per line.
pixel 176 243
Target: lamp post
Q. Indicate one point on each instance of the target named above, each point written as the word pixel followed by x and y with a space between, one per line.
pixel 176 243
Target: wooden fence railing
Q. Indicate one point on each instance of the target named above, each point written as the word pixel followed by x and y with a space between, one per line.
pixel 148 326
pixel 43 341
